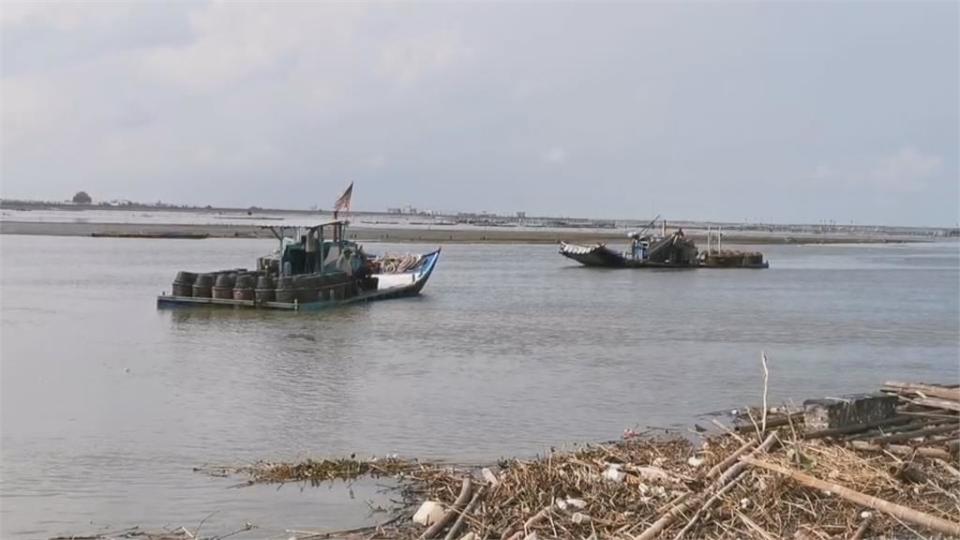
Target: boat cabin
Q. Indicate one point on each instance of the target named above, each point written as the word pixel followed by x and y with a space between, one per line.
pixel 320 249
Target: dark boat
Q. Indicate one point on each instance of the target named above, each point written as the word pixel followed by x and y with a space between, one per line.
pixel 314 268
pixel 663 251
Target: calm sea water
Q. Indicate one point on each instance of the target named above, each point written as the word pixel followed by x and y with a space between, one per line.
pixel 108 403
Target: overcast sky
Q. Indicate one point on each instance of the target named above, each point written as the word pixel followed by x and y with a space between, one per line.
pixel 787 112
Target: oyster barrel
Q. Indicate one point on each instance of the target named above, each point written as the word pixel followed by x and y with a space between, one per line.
pixel 243 289
pixel 202 286
pixel 264 291
pixel 285 291
pixel 183 284
pixel 223 287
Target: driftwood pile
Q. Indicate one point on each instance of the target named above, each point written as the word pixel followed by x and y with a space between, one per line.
pixel 769 477
pixel 893 478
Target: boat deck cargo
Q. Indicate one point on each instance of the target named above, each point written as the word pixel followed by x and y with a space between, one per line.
pixel 309 271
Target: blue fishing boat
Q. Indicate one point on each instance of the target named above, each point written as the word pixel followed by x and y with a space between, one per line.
pixel 314 268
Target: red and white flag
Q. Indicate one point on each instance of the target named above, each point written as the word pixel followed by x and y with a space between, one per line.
pixel 343 202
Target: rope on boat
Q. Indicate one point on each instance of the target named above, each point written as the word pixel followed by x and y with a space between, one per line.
pixel 397 265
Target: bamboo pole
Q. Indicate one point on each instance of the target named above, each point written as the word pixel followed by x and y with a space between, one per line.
pixel 537 518
pixel 925 389
pixel 937 403
pixel 914 426
pixel 726 482
pixel 948 467
pixel 831 432
pixel 728 431
pixel 906 436
pixel 730 474
pixel 730 459
pixel 862 529
pixel 766 377
pixel 463 515
pixel 923 519
pixel 751 524
pixel 774 422
pixel 442 523
pixel 901 450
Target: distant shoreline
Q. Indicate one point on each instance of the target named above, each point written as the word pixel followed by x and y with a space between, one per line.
pixel 434 234
pixel 255 212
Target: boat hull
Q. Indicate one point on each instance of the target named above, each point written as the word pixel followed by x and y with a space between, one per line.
pixel 604 257
pixel 601 256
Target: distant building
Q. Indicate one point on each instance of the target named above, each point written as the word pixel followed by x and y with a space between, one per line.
pixel 81 197
pixel 409 210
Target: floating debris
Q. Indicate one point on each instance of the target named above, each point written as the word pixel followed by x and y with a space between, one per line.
pixel 873 474
pixel 315 472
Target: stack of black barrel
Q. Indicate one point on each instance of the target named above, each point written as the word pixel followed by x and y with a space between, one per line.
pixel 262 287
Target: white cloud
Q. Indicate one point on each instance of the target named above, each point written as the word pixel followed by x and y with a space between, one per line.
pixel 62 15
pixel 322 42
pixel 905 170
pixel 408 59
pixel 376 162
pixel 178 100
pixel 555 155
pixel 234 41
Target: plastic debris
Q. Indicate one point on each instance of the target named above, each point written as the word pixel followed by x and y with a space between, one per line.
pixel 489 477
pixel 429 513
pixel 654 473
pixel 614 474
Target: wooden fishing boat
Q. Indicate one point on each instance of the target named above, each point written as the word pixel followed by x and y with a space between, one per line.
pixel 661 251
pixel 602 256
pixel 311 270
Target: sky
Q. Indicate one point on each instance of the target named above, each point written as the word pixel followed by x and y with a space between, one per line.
pixel 790 112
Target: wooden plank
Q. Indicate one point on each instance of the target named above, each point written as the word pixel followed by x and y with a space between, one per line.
pixel 923 519
pixel 927 390
pixel 936 403
pixel 795 417
pixel 901 449
pixel 886 439
pixel 913 426
pixel 856 429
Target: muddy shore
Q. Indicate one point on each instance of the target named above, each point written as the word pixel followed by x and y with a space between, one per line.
pixel 434 234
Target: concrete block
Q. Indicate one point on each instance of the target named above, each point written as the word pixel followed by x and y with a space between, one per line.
pixel 849 410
